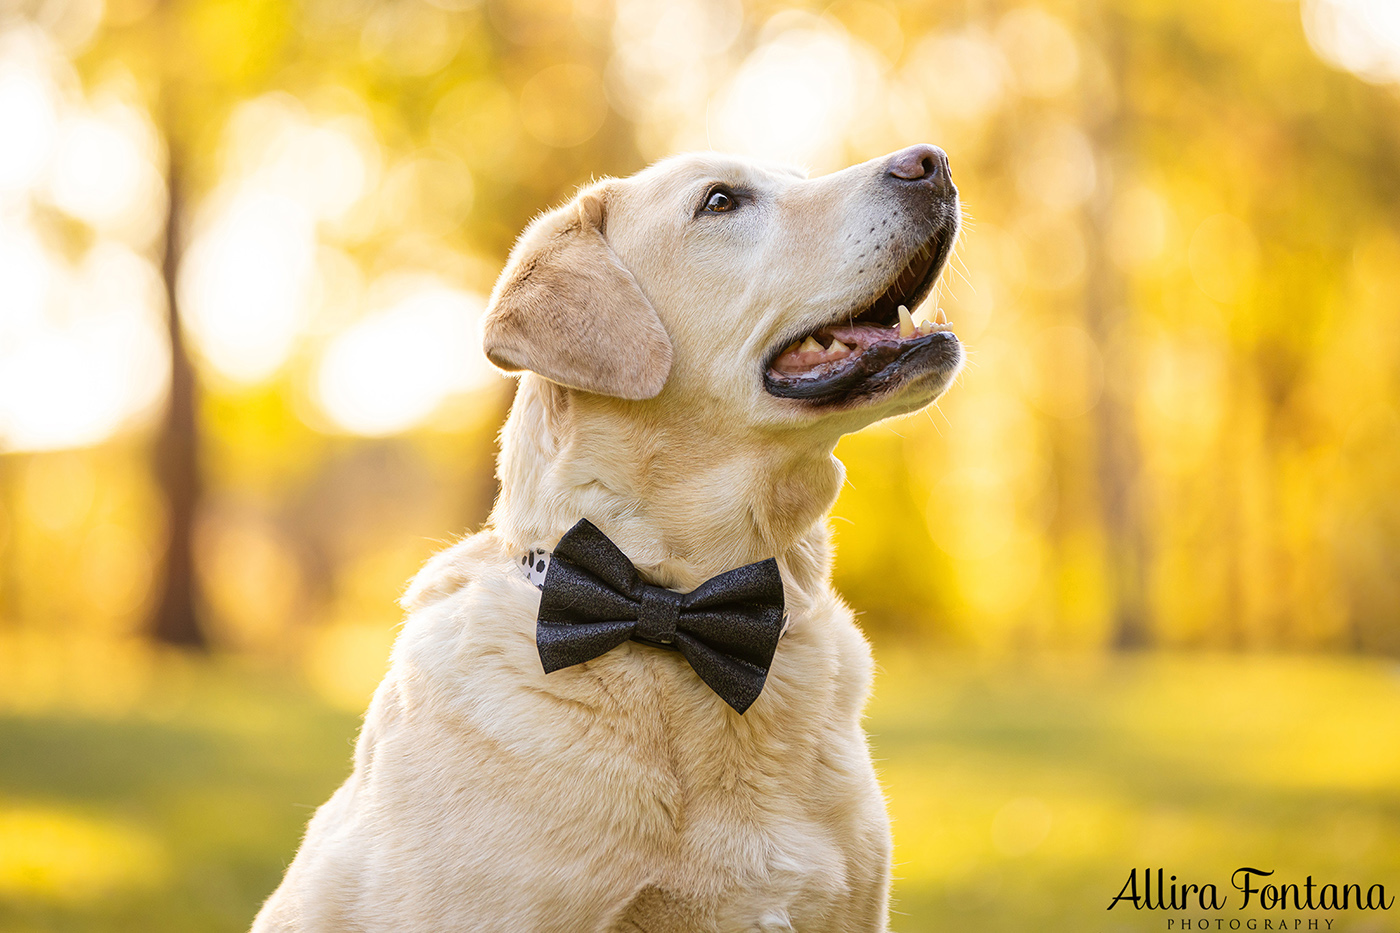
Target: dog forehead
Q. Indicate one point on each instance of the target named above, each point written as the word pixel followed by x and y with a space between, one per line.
pixel 678 180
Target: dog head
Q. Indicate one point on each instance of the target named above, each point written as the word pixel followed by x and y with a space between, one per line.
pixel 725 288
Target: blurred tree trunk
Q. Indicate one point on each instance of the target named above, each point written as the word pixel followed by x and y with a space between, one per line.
pixel 1106 296
pixel 176 618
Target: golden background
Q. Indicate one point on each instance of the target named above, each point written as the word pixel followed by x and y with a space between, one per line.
pixel 1134 584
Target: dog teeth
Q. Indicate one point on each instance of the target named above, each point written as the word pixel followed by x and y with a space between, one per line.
pixel 906 323
pixel 810 346
pixel 926 327
pixel 838 347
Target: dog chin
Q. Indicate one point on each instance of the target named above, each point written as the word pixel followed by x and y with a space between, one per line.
pixel 917 393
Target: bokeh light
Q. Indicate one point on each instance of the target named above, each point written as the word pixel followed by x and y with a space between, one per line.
pixel 1362 36
pixel 29 111
pixel 105 170
pixel 563 105
pixel 82 349
pixel 248 284
pixel 395 366
pixel 794 97
pixel 1040 50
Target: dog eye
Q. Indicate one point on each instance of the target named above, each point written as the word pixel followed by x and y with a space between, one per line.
pixel 721 201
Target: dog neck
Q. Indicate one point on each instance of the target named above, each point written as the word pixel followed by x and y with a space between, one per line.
pixel 684 502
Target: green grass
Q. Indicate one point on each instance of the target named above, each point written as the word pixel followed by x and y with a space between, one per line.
pixel 1022 795
pixel 175 812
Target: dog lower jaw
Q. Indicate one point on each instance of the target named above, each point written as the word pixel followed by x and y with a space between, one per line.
pixel 884 365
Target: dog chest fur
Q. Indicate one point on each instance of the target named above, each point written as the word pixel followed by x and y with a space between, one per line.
pixel 474 764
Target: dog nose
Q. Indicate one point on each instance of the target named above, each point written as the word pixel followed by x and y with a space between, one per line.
pixel 922 164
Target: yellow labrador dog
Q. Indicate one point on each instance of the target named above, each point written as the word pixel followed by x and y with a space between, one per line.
pixel 694 340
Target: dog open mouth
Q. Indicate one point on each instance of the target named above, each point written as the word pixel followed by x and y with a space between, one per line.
pixel 879 346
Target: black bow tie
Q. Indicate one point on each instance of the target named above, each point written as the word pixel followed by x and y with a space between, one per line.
pixel 727 628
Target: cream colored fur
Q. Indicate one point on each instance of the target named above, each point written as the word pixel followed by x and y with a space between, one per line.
pixel 622 794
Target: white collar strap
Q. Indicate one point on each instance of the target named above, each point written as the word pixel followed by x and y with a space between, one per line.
pixel 535 564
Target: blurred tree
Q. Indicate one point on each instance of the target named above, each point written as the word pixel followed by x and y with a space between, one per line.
pixel 176 619
pixel 431 79
pixel 1105 312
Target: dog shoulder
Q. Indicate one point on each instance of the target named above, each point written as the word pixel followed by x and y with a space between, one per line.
pixel 452 568
pixel 467 650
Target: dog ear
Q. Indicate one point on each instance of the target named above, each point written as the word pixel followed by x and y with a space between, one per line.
pixel 566 308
